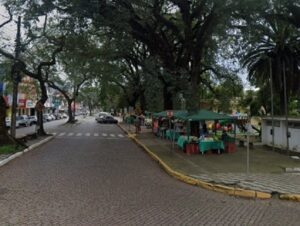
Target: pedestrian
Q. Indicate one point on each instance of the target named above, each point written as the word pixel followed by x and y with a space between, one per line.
pixel 224 136
pixel 137 123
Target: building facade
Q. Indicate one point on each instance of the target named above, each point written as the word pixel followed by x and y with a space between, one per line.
pixel 280 138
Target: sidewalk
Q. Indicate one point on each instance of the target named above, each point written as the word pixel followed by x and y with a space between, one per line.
pixel 31 144
pixel 268 170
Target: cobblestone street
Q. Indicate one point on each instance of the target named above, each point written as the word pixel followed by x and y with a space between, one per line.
pixel 96 180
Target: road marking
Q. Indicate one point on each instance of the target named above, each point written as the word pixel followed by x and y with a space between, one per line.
pixel 61 134
pixel 104 134
pixel 112 135
pixel 54 134
pixel 70 134
pixel 79 134
pixel 120 135
pixel 88 134
pixel 96 134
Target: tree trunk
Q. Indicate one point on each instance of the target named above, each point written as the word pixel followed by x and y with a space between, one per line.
pixel 143 101
pixel 40 124
pixel 282 105
pixel 90 106
pixel 132 99
pixel 70 113
pixel 168 97
pixel 14 107
pixel 193 100
pixel 4 137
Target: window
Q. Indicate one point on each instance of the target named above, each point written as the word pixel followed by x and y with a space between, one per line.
pixel 295 125
pixel 276 123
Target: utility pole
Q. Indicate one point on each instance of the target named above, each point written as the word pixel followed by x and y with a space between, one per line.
pixel 286 110
pixel 74 102
pixel 272 103
pixel 16 77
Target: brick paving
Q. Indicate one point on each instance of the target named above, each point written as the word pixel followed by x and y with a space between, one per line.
pixel 85 181
pixel 224 169
pixel 287 183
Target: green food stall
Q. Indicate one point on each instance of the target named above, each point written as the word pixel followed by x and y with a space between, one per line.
pixel 207 143
pixel 164 130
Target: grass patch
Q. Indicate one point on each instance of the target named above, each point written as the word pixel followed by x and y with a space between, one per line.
pixel 9 149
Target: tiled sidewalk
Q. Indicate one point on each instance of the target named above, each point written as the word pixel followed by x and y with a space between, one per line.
pixel 267 168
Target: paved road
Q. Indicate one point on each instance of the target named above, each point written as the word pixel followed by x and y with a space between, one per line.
pixel 49 127
pixel 84 177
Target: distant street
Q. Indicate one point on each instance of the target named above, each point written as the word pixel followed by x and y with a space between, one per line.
pixel 92 174
pixel 49 127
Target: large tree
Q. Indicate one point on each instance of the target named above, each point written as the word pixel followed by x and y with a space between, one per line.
pixel 77 64
pixel 181 33
pixel 273 49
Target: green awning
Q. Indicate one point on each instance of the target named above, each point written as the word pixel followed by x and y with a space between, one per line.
pixel 176 113
pixel 202 115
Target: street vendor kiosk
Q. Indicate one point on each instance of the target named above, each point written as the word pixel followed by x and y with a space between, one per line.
pixel 207 141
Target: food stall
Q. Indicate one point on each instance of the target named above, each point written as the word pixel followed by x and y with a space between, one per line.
pixel 165 125
pixel 207 140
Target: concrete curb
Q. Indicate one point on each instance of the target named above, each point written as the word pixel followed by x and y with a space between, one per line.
pixel 290 197
pixel 193 181
pixel 18 154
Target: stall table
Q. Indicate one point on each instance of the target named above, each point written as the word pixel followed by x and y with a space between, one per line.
pixel 183 140
pixel 171 134
pixel 206 145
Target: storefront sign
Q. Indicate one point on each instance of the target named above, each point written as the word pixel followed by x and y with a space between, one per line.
pixel 22 103
pixel 9 100
pixel 6 100
pixel 29 104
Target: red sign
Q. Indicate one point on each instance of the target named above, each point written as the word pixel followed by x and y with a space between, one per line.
pixel 170 114
pixel 6 100
pixel 22 103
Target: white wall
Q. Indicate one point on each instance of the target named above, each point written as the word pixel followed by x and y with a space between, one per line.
pixel 280 137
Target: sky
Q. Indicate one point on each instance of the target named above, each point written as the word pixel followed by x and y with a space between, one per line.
pixel 8 33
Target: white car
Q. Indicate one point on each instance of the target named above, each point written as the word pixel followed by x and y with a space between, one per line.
pixel 7 122
pixel 32 120
pixel 47 118
pixel 64 115
pixel 23 120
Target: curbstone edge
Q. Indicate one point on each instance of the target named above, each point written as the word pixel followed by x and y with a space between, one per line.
pixel 193 181
pixel 291 197
pixel 18 154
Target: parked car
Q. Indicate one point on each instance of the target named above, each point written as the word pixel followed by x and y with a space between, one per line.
pixel 32 120
pixel 107 119
pixel 7 122
pixel 64 115
pixel 47 118
pixel 100 115
pixel 23 120
pixel 57 116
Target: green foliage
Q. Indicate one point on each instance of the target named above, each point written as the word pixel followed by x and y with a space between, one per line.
pixel 136 50
pixel 9 149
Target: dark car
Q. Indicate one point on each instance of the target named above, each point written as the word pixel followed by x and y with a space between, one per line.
pixel 107 119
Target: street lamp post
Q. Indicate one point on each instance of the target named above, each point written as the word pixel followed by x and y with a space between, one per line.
pixel 272 103
pixel 286 110
pixel 248 143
